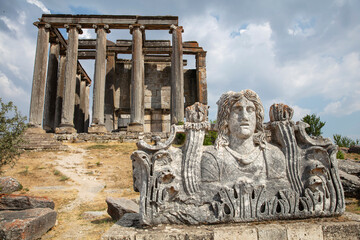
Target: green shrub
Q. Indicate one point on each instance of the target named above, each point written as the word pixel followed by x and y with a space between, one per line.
pixel 210 138
pixel 315 125
pixel 12 125
pixel 180 138
pixel 344 141
pixel 340 155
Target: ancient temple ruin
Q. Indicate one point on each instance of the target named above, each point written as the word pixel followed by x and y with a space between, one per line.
pixel 147 93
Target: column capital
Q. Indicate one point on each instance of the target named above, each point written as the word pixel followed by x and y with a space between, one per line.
pixel 201 54
pixel 132 27
pixel 173 27
pixel 76 26
pixel 101 26
pixel 42 25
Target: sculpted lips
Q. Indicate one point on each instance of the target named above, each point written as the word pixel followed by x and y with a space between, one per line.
pixel 244 124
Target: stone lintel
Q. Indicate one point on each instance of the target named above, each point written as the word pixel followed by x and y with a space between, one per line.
pixel 114 21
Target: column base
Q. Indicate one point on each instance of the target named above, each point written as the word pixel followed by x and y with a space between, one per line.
pixel 34 129
pixel 65 129
pixel 97 129
pixel 135 127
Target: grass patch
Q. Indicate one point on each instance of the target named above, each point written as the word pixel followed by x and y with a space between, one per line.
pixel 25 172
pixel 64 178
pixel 354 206
pixel 100 146
pixel 56 172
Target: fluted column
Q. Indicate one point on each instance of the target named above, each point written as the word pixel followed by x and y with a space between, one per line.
pixel 86 108
pixel 78 124
pixel 67 115
pixel 39 77
pixel 51 86
pixel 83 100
pixel 60 89
pixel 177 76
pixel 201 83
pixel 97 123
pixel 110 92
pixel 137 80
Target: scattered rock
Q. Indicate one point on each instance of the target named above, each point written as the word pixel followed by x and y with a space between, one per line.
pixel 351 184
pixel 350 166
pixel 91 215
pixel 117 207
pixel 354 149
pixel 9 185
pixel 21 202
pixel 26 224
pixel 129 220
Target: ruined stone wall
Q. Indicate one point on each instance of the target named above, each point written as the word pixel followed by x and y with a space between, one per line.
pixel 157 94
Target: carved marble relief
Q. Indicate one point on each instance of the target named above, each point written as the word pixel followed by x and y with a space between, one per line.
pixel 245 176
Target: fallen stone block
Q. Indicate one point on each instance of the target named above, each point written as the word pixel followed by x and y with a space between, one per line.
pixel 117 207
pixel 129 220
pixel 9 185
pixel 350 166
pixel 351 184
pixel 354 149
pixel 21 202
pixel 26 224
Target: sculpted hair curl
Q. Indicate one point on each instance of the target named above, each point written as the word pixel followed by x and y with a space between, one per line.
pixel 225 103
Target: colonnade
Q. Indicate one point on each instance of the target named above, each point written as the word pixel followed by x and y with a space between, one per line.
pixel 60 91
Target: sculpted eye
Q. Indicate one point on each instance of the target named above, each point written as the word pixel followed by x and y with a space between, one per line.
pixel 250 109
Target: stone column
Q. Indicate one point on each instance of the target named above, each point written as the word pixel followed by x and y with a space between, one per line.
pixel 201 84
pixel 137 81
pixel 78 121
pixel 83 99
pixel 97 124
pixel 177 76
pixel 60 90
pixel 86 108
pixel 38 85
pixel 67 115
pixel 110 92
pixel 51 86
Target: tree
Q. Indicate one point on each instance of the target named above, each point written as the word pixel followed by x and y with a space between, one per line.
pixel 12 125
pixel 315 125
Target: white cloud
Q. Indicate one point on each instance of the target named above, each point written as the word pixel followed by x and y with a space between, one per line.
pixel 87 34
pixel 8 89
pixel 299 112
pixel 346 106
pixel 40 5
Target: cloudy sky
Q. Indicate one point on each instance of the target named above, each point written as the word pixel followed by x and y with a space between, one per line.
pixel 302 53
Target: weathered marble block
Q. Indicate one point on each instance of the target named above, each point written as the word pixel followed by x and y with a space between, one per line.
pixel 246 176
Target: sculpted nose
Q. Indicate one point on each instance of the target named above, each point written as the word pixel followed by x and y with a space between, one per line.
pixel 243 116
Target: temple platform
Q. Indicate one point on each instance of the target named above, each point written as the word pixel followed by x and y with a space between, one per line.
pixel 343 227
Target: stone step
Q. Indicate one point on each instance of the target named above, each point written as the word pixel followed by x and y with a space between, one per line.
pixel 41 141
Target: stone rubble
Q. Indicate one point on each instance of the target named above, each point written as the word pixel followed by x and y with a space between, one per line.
pixel 26 224
pixel 22 202
pixel 9 185
pixel 118 207
pixel 24 217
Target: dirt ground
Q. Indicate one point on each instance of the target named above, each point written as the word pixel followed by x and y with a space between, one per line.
pixel 78 180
